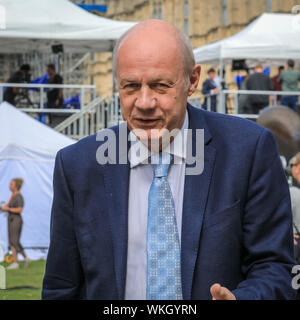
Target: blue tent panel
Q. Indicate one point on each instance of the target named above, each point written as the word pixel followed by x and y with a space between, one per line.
pixel 93 7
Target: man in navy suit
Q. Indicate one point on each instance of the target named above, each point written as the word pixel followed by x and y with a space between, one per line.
pixel 234 218
pixel 209 87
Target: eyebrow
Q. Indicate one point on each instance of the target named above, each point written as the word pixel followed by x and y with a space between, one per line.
pixel 128 80
pixel 158 79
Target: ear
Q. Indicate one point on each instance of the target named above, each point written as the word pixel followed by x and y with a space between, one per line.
pixel 194 79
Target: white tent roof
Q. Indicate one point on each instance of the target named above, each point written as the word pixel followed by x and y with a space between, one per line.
pixel 272 36
pixel 22 137
pixel 35 25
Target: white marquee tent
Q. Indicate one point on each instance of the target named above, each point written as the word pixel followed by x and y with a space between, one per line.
pixel 27 150
pixel 35 25
pixel 272 37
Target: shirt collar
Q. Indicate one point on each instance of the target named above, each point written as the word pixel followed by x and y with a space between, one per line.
pixel 176 147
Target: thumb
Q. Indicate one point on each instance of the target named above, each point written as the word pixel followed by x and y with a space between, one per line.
pixel 221 293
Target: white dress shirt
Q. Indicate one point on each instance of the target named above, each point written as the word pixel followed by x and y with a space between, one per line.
pixel 141 176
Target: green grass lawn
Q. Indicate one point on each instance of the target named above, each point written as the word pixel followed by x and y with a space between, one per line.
pixel 24 283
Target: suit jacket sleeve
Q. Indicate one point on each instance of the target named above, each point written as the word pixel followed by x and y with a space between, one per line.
pixel 63 275
pixel 267 228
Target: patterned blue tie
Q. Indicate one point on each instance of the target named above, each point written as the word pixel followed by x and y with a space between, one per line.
pixel 163 250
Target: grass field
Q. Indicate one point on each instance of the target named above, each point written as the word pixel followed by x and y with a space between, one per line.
pixel 24 283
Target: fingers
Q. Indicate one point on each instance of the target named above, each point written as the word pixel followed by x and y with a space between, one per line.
pixel 217 292
pixel 221 293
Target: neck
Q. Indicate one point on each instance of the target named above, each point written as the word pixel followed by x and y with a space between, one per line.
pixel 15 192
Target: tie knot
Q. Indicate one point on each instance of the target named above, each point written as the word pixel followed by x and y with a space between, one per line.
pixel 161 163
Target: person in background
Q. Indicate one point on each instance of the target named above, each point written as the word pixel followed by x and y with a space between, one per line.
pixel 276 84
pixel 258 81
pixel 54 95
pixel 295 169
pixel 220 80
pixel 243 98
pixel 295 200
pixel 221 85
pixel 289 80
pixel 210 88
pixel 14 208
pixel 21 76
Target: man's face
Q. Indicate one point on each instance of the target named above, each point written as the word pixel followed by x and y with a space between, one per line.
pixel 211 75
pixel 296 172
pixel 50 71
pixel 151 83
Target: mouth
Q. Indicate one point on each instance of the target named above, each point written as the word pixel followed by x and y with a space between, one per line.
pixel 148 122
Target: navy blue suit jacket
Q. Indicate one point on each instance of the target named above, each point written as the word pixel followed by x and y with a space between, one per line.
pixel 236 224
pixel 207 86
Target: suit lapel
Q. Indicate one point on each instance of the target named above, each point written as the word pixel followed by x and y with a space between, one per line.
pixel 116 179
pixel 196 190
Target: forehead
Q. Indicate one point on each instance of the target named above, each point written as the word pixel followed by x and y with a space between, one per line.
pixel 146 51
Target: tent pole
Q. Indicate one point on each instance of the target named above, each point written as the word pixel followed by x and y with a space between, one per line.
pixel 222 108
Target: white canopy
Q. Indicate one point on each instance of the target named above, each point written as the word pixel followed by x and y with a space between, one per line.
pixel 272 36
pixel 27 150
pixel 35 25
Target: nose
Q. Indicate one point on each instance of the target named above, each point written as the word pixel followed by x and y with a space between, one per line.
pixel 145 99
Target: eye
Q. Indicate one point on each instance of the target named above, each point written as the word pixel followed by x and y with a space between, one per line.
pixel 159 85
pixel 132 85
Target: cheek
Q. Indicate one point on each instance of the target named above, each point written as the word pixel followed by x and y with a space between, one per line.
pixel 126 106
pixel 168 102
pixel 171 105
pixel 174 110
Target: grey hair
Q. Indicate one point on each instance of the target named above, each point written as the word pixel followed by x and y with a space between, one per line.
pixel 185 48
